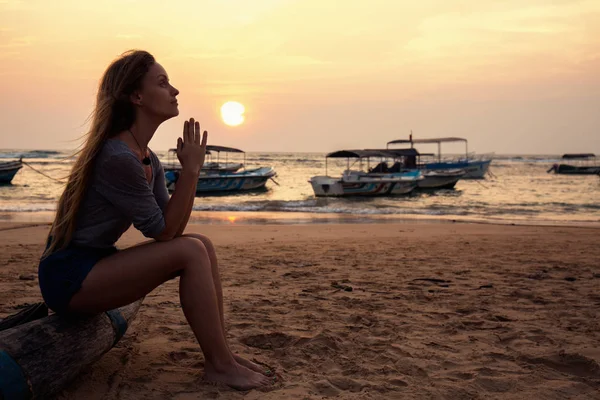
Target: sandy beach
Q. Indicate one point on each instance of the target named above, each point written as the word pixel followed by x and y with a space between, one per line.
pixel 416 310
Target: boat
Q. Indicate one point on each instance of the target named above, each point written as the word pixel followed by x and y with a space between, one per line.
pixel 440 179
pixel 209 166
pixel 577 164
pixel 8 170
pixel 224 178
pixel 360 183
pixel 410 160
pixel 475 167
pixel 41 354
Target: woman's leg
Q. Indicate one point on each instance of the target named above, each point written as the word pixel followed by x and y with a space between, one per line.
pixel 130 274
pixel 214 263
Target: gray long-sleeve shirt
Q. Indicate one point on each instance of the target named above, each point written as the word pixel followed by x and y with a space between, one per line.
pixel 118 195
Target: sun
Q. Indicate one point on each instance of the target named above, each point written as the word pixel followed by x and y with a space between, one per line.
pixel 232 113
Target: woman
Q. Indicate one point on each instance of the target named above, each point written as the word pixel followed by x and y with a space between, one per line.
pixel 117 181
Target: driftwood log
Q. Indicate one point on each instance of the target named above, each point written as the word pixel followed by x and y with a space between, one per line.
pixel 38 358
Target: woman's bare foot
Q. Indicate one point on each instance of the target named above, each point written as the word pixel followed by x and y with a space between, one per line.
pixel 252 366
pixel 235 375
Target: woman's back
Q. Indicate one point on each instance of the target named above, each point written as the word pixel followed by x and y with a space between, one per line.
pixel 119 194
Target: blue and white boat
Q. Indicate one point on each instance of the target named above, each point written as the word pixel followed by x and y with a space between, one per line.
pixel 474 167
pixel 221 179
pixel 8 170
pixel 356 182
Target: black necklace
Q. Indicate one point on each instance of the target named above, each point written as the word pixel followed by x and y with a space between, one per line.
pixel 146 160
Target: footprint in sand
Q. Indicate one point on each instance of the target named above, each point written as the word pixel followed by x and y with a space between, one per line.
pixel 568 363
pixel 325 388
pixel 268 341
pixel 344 383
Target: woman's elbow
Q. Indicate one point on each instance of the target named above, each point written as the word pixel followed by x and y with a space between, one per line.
pixel 165 236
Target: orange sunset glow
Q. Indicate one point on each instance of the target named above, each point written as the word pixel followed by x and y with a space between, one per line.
pixel 300 199
pixel 510 76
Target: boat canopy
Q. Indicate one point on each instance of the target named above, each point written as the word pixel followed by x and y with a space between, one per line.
pixel 216 149
pixel 223 149
pixel 437 141
pixel 425 141
pixel 581 155
pixel 373 153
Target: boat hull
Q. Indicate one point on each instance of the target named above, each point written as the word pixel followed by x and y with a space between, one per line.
pixel 473 169
pixel 8 171
pixel 434 180
pixel 329 187
pixel 211 167
pixel 565 169
pixel 227 182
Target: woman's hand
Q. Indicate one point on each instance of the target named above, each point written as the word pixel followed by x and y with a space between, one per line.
pixel 190 149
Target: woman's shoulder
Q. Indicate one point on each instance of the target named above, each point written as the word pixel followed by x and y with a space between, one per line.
pixel 115 152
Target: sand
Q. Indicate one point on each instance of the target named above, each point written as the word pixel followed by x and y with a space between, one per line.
pixel 436 311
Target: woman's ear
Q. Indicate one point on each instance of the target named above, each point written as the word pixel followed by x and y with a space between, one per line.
pixel 136 98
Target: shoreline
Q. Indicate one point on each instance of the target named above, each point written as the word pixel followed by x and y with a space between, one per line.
pixel 303 218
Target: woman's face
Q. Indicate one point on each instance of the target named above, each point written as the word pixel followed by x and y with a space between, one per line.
pixel 157 96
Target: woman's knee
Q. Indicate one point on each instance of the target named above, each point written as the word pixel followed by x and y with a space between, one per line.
pixel 204 239
pixel 191 250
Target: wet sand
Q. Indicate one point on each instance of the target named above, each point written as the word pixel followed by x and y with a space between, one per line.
pixel 364 311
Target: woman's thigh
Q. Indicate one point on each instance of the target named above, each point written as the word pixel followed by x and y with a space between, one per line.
pixel 132 273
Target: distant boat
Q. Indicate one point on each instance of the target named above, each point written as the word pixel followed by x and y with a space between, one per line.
pixel 579 164
pixel 223 177
pixel 356 182
pixel 8 170
pixel 475 167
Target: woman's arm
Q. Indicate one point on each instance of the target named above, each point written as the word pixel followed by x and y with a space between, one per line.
pixel 187 216
pixel 190 152
pixel 162 194
pixel 179 208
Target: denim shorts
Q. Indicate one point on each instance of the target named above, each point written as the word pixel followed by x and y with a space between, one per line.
pixel 61 273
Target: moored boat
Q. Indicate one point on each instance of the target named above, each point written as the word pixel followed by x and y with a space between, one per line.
pixel 474 166
pixel 224 177
pixel 577 164
pixel 8 170
pixel 356 182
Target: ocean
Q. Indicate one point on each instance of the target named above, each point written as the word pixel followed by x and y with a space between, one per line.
pixel 518 190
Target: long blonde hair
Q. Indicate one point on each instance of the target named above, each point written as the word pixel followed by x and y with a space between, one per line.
pixel 113 113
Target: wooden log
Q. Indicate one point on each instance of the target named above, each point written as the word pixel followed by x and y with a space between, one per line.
pixel 39 358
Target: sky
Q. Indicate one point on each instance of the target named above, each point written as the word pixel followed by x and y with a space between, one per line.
pixel 511 76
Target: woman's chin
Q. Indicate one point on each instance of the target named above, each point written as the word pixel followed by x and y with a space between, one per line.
pixel 171 114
